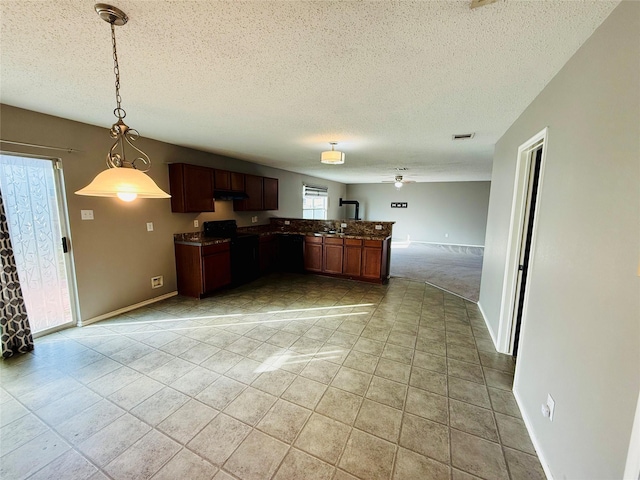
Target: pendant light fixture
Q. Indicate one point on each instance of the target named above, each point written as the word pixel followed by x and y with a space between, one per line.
pixel 125 179
pixel 332 157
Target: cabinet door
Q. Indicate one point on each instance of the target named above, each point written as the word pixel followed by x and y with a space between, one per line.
pixel 188 270
pixel 198 189
pixel 372 262
pixel 253 189
pixel 332 258
pixel 222 180
pixel 270 186
pixel 191 188
pixel 313 256
pixel 217 270
pixel 352 261
pixel 237 182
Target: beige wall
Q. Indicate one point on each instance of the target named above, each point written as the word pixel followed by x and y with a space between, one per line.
pixel 456 209
pixel 581 332
pixel 115 257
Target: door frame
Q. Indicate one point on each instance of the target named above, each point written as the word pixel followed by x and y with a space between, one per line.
pixel 65 231
pixel 514 241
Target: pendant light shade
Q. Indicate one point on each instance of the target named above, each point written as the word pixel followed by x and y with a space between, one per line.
pixel 124 183
pixel 125 179
pixel 332 157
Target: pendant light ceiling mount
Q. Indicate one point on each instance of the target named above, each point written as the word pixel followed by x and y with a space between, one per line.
pixel 111 14
pixel 123 178
pixel 333 156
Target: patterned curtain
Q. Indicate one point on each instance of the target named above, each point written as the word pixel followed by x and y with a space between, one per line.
pixel 16 332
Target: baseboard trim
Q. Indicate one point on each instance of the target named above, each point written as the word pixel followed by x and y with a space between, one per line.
pixel 534 439
pixel 438 243
pixel 484 317
pixel 120 311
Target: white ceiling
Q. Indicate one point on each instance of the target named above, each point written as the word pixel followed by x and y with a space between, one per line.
pixel 274 81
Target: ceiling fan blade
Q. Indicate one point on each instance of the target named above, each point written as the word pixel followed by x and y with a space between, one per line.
pixel 481 3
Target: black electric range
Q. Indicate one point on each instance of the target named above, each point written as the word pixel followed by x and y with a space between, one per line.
pixel 245 265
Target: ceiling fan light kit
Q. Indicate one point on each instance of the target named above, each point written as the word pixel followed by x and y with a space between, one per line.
pixel 123 178
pixel 333 156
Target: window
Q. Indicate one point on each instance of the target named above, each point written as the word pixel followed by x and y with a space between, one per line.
pixel 315 201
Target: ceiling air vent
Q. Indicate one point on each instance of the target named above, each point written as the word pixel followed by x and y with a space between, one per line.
pixel 462 136
pixel 401 169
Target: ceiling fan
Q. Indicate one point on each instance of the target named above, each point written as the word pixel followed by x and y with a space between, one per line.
pixel 398 181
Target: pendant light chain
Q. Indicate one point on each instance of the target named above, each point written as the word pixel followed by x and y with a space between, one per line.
pixel 119 111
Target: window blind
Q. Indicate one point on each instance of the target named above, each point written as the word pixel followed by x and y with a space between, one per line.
pixel 315 191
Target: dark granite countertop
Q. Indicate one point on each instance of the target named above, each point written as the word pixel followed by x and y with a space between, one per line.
pixel 198 238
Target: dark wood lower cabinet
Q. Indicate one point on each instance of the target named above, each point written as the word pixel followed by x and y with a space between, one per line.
pixel 352 264
pixel 350 257
pixel 332 255
pixel 372 259
pixel 202 269
pixel 313 254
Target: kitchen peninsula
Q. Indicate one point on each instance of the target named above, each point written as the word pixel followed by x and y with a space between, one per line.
pixel 358 250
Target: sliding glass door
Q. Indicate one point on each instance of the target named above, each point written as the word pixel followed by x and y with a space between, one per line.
pixel 32 195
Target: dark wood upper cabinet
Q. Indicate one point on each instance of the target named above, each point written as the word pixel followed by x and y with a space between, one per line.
pixel 270 193
pixel 230 181
pixel 222 180
pixel 191 188
pixel 253 187
pixel 237 181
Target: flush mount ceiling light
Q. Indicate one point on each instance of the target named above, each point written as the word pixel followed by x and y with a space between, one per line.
pixel 125 179
pixel 332 157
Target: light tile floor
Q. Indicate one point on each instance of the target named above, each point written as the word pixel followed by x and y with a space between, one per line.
pixel 290 377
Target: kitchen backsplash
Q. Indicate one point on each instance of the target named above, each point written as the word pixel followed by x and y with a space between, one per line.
pixel 354 227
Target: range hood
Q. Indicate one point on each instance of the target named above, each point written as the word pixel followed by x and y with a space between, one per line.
pixel 229 195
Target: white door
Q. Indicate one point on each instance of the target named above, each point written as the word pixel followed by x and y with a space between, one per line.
pixel 31 191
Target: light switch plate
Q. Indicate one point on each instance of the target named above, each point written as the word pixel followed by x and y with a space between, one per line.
pixel 378 227
pixel 287 222
pixel 86 214
pixel 149 226
pixel 343 225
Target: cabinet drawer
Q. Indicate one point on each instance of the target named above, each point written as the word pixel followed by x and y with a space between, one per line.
pixel 310 239
pixel 373 243
pixel 353 242
pixel 217 248
pixel 332 241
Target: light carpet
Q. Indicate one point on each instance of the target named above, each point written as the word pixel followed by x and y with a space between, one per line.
pixel 454 268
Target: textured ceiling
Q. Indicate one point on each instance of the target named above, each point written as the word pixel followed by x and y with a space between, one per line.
pixel 274 81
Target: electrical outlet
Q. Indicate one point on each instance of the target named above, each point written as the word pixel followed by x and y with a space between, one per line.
pixel 149 226
pixel 378 227
pixel 287 222
pixel 86 214
pixel 446 235
pixel 343 225
pixel 157 282
pixel 196 223
pixel 254 219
